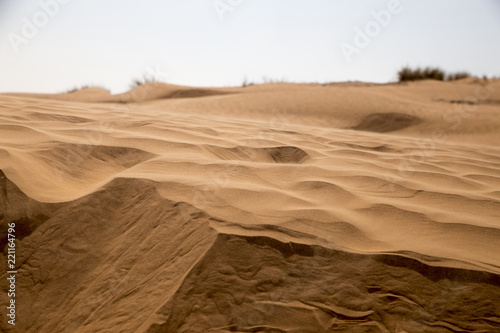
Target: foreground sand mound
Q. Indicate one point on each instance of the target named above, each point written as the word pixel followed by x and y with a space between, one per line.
pixel 88 256
pixel 257 284
pixel 275 208
pixel 132 252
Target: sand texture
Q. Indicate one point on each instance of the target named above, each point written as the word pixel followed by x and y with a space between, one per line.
pixel 346 207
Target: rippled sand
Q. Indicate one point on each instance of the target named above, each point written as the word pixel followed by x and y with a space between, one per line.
pixel 346 207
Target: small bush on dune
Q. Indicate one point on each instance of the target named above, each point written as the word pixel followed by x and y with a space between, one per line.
pixel 70 91
pixel 433 74
pixel 457 76
pixel 429 73
pixel 145 79
pixel 246 83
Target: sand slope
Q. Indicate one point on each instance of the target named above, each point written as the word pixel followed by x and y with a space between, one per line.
pixel 347 207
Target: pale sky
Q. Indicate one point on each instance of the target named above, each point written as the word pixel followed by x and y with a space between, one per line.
pixel 109 42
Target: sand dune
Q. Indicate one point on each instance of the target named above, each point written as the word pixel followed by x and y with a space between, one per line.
pixel 346 207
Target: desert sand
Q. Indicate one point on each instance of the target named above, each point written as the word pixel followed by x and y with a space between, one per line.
pixel 345 207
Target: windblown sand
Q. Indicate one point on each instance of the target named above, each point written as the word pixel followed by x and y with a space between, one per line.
pixel 346 207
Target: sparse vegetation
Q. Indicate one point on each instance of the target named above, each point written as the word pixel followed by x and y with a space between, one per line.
pixel 429 73
pixel 70 91
pixel 246 83
pixel 265 79
pixel 145 79
pixel 457 76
